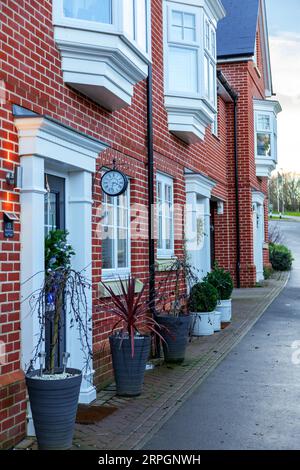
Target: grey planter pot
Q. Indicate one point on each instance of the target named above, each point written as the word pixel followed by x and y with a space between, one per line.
pixel 54 406
pixel 129 371
pixel 175 335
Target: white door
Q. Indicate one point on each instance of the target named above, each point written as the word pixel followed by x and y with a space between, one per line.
pixel 258 231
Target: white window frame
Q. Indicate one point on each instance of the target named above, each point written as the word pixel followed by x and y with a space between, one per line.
pixel 211 57
pixel 116 272
pixel 164 180
pixel 272 132
pixel 116 26
pixel 182 44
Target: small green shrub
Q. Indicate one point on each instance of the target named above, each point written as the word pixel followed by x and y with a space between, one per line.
pixel 222 281
pixel 203 297
pixel 267 272
pixel 281 257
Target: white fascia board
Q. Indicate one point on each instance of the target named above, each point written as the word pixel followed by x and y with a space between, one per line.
pixel 258 197
pixel 188 117
pixel 52 141
pixel 264 167
pixel 199 184
pixel 105 67
pixel 267 105
pixel 265 48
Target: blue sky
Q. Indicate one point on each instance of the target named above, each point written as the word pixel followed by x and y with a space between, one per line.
pixel 283 15
pixel 284 32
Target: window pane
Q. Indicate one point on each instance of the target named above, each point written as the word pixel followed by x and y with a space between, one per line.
pixel 213 43
pixel 122 248
pixel 177 33
pixel 141 23
pixel 177 18
pixel 89 10
pixel 107 248
pixel 50 212
pixel 212 82
pixel 263 144
pixel 189 35
pixel 189 20
pixel 263 122
pixel 207 30
pixel 183 70
pixel 206 75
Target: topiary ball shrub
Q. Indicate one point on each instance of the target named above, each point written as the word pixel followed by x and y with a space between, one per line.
pixel 222 281
pixel 203 297
pixel 281 257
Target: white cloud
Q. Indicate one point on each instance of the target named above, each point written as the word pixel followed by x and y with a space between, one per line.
pixel 285 57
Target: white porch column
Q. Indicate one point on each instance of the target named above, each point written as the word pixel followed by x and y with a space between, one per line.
pixel 32 249
pixel 80 228
pixel 258 233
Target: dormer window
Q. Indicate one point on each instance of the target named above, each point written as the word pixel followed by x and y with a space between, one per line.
pixel 190 66
pixel 104 46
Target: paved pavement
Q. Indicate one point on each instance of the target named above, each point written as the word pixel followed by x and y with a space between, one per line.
pixel 252 399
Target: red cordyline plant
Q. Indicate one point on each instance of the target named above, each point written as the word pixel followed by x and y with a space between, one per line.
pixel 131 310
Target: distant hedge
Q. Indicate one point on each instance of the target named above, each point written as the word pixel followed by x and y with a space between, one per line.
pixel 281 257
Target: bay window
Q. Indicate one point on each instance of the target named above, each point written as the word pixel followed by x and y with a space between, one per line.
pixel 105 47
pixel 265 124
pixel 115 235
pixel 165 216
pixel 190 66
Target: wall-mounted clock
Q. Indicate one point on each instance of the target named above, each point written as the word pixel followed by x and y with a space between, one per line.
pixel 114 183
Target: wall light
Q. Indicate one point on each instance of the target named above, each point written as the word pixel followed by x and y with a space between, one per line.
pixel 14 178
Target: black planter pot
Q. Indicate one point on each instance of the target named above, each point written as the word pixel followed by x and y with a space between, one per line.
pixel 54 405
pixel 175 334
pixel 129 371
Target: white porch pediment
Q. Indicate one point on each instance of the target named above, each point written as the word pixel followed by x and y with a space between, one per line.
pixel 51 140
pixel 199 184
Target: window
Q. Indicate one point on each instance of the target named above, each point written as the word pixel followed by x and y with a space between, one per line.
pixel 210 57
pixel 263 135
pixel 165 216
pixel 183 50
pixel 116 235
pixel 89 10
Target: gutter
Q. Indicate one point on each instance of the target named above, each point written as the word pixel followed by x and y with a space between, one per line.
pixel 234 95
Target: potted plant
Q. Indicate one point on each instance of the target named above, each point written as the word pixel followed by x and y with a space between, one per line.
pixel 202 304
pixel 222 281
pixel 174 315
pixel 53 388
pixel 131 340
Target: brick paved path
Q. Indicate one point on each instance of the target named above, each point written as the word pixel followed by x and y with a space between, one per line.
pixel 167 387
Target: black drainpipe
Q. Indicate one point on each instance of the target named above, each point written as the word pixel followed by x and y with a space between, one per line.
pixel 233 94
pixel 151 201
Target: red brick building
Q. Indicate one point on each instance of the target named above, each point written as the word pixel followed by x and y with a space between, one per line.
pixel 82 87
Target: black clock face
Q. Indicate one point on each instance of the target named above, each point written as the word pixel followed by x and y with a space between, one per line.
pixel 114 183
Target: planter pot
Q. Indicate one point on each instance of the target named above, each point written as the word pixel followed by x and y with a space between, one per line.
pixel 176 334
pixel 129 371
pixel 225 307
pixel 54 406
pixel 203 323
pixel 217 321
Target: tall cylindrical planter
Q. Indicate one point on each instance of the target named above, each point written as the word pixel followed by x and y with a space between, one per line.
pixel 175 332
pixel 203 323
pixel 225 307
pixel 129 371
pixel 54 406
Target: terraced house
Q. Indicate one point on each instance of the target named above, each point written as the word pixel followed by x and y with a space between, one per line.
pixel 177 94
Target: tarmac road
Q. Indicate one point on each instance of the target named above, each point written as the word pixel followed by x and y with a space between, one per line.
pixel 252 399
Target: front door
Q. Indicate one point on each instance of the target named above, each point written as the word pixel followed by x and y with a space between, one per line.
pixel 55 220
